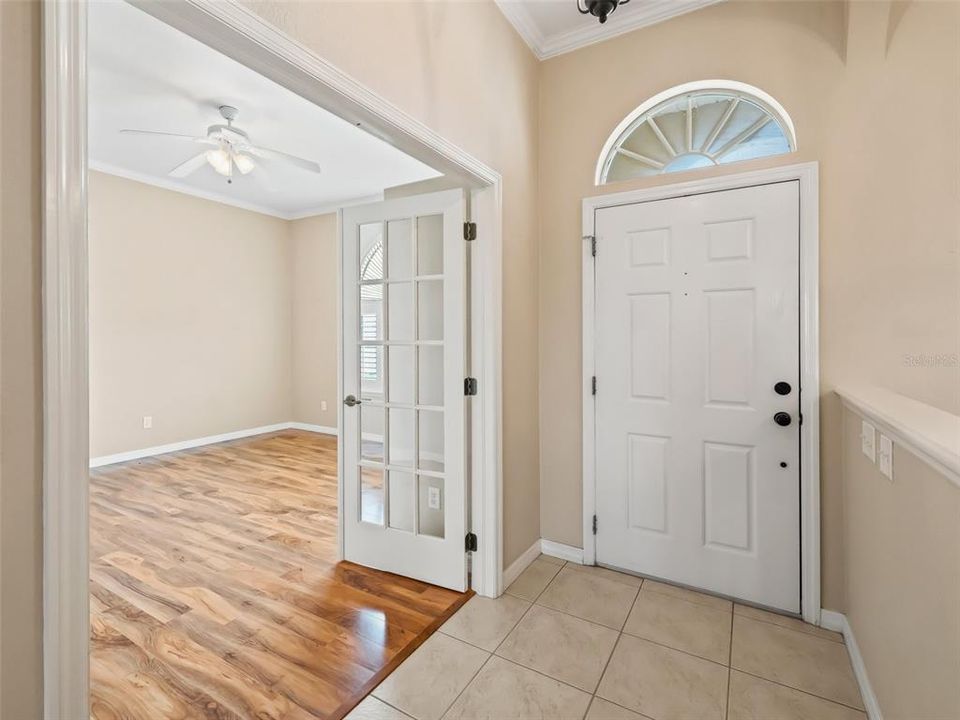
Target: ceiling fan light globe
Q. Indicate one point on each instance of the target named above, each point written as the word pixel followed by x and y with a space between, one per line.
pixel 244 163
pixel 220 161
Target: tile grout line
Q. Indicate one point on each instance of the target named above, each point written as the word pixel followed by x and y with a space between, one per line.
pixel 838 641
pixel 805 692
pixel 549 583
pixel 464 688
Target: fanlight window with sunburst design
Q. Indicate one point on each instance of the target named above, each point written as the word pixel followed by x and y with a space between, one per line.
pixel 685 129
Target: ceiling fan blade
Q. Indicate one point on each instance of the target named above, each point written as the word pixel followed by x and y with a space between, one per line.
pixel 303 163
pixel 192 138
pixel 188 166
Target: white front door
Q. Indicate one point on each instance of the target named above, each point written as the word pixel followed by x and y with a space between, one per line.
pixel 404 341
pixel 698 397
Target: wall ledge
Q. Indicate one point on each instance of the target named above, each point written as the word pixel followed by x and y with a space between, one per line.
pixel 931 434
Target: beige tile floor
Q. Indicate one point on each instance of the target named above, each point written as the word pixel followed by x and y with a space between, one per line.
pixel 568 641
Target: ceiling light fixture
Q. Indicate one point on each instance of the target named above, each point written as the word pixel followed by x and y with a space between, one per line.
pixel 600 9
pixel 219 160
pixel 230 148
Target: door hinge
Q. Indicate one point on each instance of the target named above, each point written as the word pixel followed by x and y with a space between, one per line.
pixel 594 524
pixel 469 231
pixel 470 542
pixel 593 385
pixel 593 244
pixel 469 386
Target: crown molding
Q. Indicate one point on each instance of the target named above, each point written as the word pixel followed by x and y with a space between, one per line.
pixel 185 189
pixel 648 13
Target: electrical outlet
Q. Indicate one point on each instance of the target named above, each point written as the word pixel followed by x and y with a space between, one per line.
pixel 886 456
pixel 433 498
pixel 147 422
pixel 323 405
pixel 868 440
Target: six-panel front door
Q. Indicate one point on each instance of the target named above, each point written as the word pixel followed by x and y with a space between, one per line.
pixel 403 436
pixel 697 409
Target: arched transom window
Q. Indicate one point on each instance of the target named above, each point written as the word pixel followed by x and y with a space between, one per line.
pixel 694 126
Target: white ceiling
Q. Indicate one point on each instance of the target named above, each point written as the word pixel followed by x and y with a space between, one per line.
pixel 554 27
pixel 145 75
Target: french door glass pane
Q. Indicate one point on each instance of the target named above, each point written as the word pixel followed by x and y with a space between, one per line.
pixel 400 437
pixel 399 249
pixel 371 495
pixel 371 312
pixel 431 440
pixel 431 500
pixel 371 371
pixel 430 310
pixel 430 245
pixel 430 371
pixel 400 386
pixel 371 251
pixel 401 500
pixel 400 312
pixel 371 432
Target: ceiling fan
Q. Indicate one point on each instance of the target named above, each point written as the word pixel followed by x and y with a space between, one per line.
pixel 230 148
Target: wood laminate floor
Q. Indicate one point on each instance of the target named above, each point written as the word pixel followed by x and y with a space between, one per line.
pixel 214 592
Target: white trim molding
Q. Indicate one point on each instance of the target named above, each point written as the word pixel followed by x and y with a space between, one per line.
pixel 932 434
pixel 628 19
pixel 66 614
pixel 564 552
pixel 238 32
pixel 183 188
pixel 807 176
pixel 206 440
pixel 832 620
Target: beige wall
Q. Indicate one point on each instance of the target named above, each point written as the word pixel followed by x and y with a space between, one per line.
pixel 902 547
pixel 190 317
pixel 206 317
pixel 20 362
pixel 314 297
pixel 874 95
pixel 460 68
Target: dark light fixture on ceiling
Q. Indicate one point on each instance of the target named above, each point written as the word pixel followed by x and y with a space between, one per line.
pixel 600 9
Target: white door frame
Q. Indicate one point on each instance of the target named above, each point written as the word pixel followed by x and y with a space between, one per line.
pixel 807 175
pixel 241 34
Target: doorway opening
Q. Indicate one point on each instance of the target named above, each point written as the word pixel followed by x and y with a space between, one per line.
pixel 218 493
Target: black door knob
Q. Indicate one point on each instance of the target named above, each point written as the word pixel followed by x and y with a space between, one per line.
pixel 782 388
pixel 782 419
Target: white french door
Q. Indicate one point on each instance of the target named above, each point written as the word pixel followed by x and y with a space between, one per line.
pixel 697 405
pixel 404 341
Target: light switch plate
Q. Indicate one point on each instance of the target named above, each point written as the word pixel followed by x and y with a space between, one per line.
pixel 886 456
pixel 868 440
pixel 147 422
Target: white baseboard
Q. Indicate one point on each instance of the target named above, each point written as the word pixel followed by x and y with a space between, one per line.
pixel 564 552
pixel 310 427
pixel 832 620
pixel 520 564
pixel 208 440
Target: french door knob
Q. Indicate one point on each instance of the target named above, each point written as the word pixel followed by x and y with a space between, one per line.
pixel 350 401
pixel 782 419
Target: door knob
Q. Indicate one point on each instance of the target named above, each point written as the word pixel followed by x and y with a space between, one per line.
pixel 782 419
pixel 782 388
pixel 350 401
